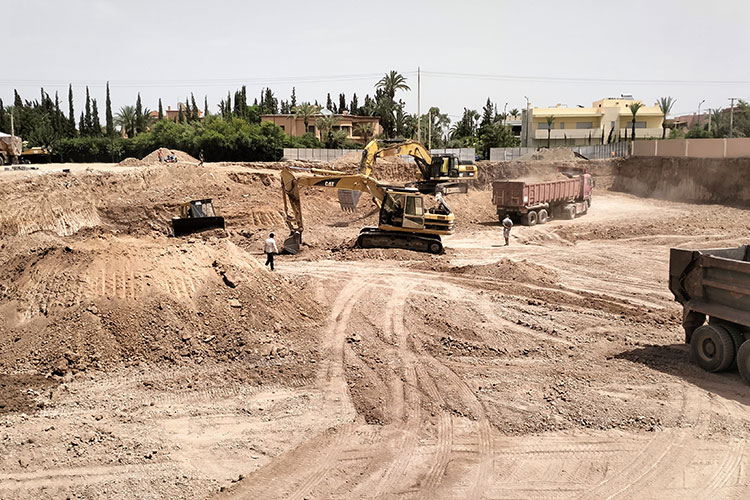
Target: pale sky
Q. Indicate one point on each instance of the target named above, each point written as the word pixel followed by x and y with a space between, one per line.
pixel 570 52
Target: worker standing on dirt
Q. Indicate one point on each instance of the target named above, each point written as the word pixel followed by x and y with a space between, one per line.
pixel 200 157
pixel 159 155
pixel 507 225
pixel 270 248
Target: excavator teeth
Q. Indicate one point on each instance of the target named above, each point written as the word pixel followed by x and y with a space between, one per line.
pixel 348 199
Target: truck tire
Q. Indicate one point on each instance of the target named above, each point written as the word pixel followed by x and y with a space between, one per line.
pixel 712 348
pixel 542 217
pixel 743 361
pixel 530 218
pixel 737 339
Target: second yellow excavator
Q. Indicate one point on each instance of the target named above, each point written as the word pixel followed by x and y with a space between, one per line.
pixel 403 222
pixel 443 173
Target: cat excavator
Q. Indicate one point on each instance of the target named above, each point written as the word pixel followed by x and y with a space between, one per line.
pixel 444 174
pixel 404 222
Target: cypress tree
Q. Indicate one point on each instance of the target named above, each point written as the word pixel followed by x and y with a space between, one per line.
pixel 342 103
pixel 58 116
pixel 205 106
pixel 81 125
pixel 329 103
pixel 2 116
pixel 180 115
pixel 110 120
pixel 96 126
pixel 354 105
pixel 138 115
pixel 87 118
pixel 71 115
pixel 194 107
pixel 294 99
pixel 161 110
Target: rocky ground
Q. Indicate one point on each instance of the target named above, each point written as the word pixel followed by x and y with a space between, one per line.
pixel 137 365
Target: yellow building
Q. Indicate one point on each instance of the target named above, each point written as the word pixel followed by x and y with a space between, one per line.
pixel 351 124
pixel 607 119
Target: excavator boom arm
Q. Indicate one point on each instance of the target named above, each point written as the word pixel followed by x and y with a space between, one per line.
pixel 377 149
pixel 291 183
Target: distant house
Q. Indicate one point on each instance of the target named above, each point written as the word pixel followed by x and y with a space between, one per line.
pixel 295 126
pixel 608 118
pixel 174 114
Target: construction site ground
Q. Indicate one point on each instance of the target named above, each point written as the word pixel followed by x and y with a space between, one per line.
pixel 137 365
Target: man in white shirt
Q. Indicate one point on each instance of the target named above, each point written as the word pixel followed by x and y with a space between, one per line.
pixel 270 248
pixel 507 225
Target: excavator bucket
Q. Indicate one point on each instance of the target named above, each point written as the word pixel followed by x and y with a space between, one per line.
pixel 349 199
pixel 293 242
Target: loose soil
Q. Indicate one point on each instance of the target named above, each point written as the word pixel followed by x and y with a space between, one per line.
pixel 135 364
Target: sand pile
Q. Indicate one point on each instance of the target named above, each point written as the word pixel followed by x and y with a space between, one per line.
pixel 182 157
pixel 132 162
pixel 554 154
pixel 102 302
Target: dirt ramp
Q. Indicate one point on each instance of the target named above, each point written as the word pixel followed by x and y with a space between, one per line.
pixel 702 180
pixel 103 302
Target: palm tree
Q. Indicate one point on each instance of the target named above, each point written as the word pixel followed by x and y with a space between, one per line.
pixel 392 82
pixel 634 109
pixel 127 121
pixel 365 131
pixel 514 113
pixel 665 105
pixel 306 111
pixel 550 121
pixel 325 125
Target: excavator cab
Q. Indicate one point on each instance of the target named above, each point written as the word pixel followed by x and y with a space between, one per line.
pixel 403 210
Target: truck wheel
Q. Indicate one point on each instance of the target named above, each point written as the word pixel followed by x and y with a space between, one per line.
pixel 712 348
pixel 743 361
pixel 530 219
pixel 542 216
pixel 737 339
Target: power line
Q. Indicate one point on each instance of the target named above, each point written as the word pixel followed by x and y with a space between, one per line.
pixel 519 78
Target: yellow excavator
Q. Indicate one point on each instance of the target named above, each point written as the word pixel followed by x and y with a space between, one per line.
pixel 404 222
pixel 444 173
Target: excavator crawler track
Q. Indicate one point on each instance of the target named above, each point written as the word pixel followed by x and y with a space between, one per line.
pixel 372 237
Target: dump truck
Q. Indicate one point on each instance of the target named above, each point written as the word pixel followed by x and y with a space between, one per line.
pixel 10 149
pixel 534 203
pixel 714 284
pixel 195 216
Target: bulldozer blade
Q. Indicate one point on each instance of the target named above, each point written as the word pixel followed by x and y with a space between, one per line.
pixel 349 199
pixel 194 225
pixel 292 243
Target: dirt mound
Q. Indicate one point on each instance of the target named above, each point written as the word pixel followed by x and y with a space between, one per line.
pixel 132 162
pixel 182 157
pixel 111 300
pixel 554 154
pixel 502 270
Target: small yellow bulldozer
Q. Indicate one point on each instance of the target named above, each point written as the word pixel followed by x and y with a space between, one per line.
pixel 195 216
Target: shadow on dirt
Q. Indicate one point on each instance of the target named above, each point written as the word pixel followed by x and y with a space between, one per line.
pixel 675 360
pixel 18 392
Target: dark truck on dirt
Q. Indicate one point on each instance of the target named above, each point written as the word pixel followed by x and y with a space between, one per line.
pixel 535 203
pixel 715 284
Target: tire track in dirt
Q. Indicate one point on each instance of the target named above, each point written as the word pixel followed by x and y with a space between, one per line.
pixel 662 455
pixel 315 458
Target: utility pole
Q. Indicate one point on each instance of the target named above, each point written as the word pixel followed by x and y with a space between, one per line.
pixel 709 120
pixel 699 112
pixel 528 123
pixel 12 128
pixel 429 130
pixel 419 105
pixel 731 116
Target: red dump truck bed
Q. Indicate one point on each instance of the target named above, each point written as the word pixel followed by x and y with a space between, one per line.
pixel 535 202
pixel 519 193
